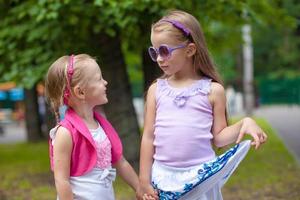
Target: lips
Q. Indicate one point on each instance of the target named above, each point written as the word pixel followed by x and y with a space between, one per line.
pixel 163 67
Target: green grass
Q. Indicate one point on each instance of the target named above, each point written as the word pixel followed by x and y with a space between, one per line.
pixel 267 173
pixel 25 172
pixel 261 166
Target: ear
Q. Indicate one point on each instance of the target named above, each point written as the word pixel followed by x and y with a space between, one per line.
pixel 191 49
pixel 79 92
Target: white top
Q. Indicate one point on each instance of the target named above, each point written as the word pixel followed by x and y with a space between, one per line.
pixel 98 182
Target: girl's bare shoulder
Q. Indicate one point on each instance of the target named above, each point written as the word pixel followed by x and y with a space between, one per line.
pixel 217 93
pixel 152 87
pixel 217 89
pixel 63 133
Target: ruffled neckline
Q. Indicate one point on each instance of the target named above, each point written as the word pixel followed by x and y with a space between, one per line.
pixel 181 95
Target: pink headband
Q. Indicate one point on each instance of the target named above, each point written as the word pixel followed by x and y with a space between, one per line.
pixel 70 71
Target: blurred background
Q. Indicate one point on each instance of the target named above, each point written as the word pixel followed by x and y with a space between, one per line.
pixel 254 43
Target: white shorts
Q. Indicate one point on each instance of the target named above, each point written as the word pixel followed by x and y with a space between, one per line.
pixel 202 182
pixel 96 184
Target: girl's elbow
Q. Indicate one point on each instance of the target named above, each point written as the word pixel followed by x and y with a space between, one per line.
pixel 218 143
pixel 60 182
pixel 120 164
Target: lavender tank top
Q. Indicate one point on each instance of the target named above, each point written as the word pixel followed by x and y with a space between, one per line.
pixel 183 124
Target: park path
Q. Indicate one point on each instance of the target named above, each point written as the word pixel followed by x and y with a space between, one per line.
pixel 285 120
pixel 12 133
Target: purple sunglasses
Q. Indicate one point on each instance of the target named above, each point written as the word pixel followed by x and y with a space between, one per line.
pixel 163 51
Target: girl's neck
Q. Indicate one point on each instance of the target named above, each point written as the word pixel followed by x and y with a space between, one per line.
pixel 187 72
pixel 184 76
pixel 87 115
pixel 181 83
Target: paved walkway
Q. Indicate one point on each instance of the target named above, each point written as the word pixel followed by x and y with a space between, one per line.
pixel 286 121
pixel 12 133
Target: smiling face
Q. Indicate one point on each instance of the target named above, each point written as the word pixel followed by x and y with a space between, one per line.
pixel 95 87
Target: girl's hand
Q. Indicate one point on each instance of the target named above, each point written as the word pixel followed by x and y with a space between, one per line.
pixel 250 127
pixel 145 192
pixel 148 197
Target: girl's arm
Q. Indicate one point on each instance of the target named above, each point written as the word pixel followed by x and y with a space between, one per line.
pixel 147 148
pixel 127 173
pixel 62 157
pixel 223 134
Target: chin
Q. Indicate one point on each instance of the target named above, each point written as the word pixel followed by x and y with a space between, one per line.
pixel 105 101
pixel 168 73
pixel 102 102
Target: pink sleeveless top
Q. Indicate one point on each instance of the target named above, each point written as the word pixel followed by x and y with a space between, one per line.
pixel 183 124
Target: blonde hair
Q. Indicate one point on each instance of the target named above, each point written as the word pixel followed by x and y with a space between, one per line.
pixel 203 64
pixel 56 79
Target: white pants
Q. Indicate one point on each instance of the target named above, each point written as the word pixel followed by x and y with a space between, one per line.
pixel 202 182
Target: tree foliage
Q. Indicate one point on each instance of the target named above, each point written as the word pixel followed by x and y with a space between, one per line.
pixel 34 33
pixel 277 50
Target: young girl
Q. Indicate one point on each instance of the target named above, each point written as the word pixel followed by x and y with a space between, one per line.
pixel 85 150
pixel 184 114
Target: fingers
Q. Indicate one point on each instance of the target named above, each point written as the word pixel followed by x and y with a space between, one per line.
pixel 250 127
pixel 155 195
pixel 264 137
pixel 147 193
pixel 145 197
pixel 256 141
pixel 148 197
pixel 259 139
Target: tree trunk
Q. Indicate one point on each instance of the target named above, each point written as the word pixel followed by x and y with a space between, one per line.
pixel 119 110
pixel 33 123
pixel 50 119
pixel 150 69
pixel 248 70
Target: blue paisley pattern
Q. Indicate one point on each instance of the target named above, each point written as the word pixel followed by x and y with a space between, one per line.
pixel 206 170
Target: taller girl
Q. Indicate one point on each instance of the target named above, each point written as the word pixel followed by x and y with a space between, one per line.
pixel 185 114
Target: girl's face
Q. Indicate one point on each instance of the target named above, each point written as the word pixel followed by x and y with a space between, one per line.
pixel 95 89
pixel 177 60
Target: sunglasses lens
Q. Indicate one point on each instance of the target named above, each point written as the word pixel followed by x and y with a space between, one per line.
pixel 164 52
pixel 152 53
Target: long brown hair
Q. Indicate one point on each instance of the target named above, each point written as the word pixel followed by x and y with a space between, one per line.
pixel 203 64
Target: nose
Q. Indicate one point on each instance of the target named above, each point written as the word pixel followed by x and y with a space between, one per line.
pixel 159 58
pixel 105 82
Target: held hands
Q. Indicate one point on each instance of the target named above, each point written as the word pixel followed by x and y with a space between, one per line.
pixel 250 127
pixel 146 192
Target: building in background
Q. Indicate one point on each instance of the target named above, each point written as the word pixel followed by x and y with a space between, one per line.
pixel 11 103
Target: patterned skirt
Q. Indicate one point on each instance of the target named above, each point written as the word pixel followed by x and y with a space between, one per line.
pixel 202 182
